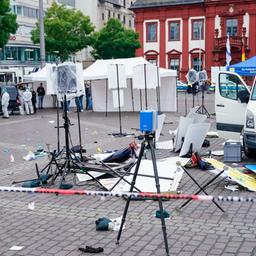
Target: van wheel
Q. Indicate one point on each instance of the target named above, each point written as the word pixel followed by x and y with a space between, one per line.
pixel 249 152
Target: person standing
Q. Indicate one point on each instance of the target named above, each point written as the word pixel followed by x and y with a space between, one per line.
pixel 40 92
pixel 27 98
pixel 21 90
pixel 34 100
pixel 88 96
pixel 5 102
pixel 79 100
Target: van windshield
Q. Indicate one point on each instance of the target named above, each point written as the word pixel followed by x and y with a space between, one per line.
pixel 253 94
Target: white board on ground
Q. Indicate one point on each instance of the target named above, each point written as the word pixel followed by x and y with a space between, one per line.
pixel 169 176
pixel 195 135
pixel 168 144
pixel 184 123
pixel 85 177
pixel 160 124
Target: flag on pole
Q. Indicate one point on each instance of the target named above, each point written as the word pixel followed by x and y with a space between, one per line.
pixel 243 53
pixel 228 51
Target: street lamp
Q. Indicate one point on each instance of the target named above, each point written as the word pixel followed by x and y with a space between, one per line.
pixel 41 28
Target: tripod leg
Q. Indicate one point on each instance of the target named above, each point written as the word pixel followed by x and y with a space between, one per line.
pixel 159 199
pixel 131 189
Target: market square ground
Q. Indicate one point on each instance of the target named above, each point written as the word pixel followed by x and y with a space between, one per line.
pixel 60 224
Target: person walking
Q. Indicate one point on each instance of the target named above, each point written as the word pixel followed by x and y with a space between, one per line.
pixel 5 102
pixel 27 98
pixel 34 100
pixel 40 92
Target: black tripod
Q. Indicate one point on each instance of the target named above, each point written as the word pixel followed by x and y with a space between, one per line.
pixel 71 162
pixel 148 141
pixel 202 109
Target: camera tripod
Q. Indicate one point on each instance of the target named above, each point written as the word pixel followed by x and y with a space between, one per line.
pixel 147 142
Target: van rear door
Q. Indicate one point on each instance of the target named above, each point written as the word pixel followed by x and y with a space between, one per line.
pixel 231 98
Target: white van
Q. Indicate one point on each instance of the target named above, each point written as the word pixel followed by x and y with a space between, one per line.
pixel 235 107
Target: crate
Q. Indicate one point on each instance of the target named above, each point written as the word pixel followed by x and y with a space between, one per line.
pixel 232 151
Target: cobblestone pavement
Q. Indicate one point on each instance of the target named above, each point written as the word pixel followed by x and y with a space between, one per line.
pixel 59 225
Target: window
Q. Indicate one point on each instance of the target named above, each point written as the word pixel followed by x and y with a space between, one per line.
pixel 197 29
pixel 174 64
pixel 30 12
pixel 103 16
pixel 118 16
pixel 151 31
pixel 130 23
pixel 124 20
pixel 197 63
pixel 231 86
pixel 152 61
pixel 109 14
pixel 19 10
pixel 67 2
pixel 11 53
pixel 29 54
pixel 231 25
pixel 174 31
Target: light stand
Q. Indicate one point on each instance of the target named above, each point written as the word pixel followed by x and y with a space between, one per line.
pixel 202 109
pixel 146 91
pixel 120 134
pixel 147 142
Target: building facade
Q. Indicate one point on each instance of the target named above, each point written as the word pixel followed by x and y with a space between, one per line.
pixel 20 55
pixel 193 33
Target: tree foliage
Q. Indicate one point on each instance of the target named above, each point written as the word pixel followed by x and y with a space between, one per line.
pixel 8 23
pixel 67 31
pixel 115 41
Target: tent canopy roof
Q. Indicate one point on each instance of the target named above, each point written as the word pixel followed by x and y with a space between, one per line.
pixel 40 75
pixel 99 69
pixel 245 68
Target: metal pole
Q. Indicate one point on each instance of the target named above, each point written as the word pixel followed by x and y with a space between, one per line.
pixel 119 102
pixel 41 28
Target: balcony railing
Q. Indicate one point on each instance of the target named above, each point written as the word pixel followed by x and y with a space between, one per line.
pixel 235 41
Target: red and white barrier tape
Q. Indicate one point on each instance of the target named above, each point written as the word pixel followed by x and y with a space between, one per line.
pixel 127 194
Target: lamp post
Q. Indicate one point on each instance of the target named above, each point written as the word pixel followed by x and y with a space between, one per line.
pixel 41 28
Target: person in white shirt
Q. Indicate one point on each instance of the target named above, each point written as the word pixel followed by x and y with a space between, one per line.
pixel 27 98
pixel 5 102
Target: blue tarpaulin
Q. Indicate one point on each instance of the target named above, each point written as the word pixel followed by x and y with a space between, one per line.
pixel 244 68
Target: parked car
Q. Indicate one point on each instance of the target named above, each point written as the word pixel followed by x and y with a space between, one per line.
pixel 181 87
pixel 13 103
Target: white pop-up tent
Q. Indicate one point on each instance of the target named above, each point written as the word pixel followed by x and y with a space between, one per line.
pixel 134 99
pixel 48 75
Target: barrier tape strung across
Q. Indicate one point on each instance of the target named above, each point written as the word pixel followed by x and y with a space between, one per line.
pixel 127 194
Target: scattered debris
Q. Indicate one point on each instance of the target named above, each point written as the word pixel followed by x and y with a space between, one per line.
pixel 51 122
pixel 218 153
pixel 12 158
pixel 31 206
pixel 212 134
pixel 30 156
pixel 16 248
pixel 232 187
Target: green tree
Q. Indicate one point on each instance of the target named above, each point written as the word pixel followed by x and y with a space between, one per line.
pixel 8 23
pixel 115 41
pixel 67 31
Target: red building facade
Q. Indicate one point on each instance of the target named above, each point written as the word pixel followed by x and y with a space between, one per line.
pixel 193 33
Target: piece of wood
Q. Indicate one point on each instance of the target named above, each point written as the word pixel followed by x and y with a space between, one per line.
pixel 243 179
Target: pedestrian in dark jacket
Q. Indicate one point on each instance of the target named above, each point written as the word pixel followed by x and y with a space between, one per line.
pixel 40 92
pixel 34 100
